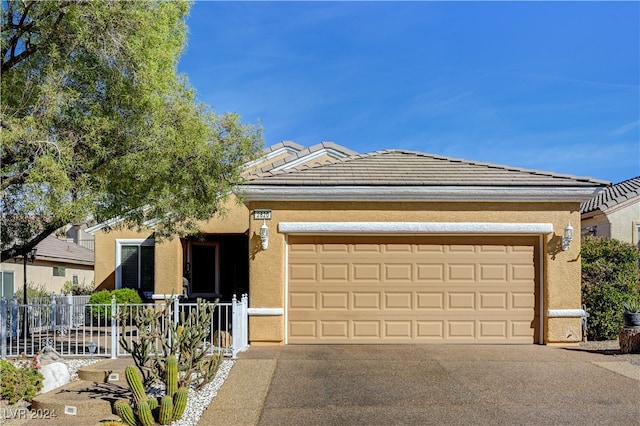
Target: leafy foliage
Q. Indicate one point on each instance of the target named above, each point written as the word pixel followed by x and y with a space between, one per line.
pixel 96 121
pixel 77 290
pixel 610 277
pixel 20 379
pixel 123 295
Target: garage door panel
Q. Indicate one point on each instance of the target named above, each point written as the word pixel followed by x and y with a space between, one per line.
pixel 430 301
pixel 398 300
pixel 335 272
pixel 348 291
pixel 335 300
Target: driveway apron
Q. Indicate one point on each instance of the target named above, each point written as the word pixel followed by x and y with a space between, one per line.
pixel 449 384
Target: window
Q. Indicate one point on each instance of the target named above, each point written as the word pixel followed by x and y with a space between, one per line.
pixel 6 284
pixel 135 264
pixel 59 271
pixel 74 280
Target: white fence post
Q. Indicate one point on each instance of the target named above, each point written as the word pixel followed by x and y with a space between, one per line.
pixel 240 325
pixel 3 325
pixel 114 328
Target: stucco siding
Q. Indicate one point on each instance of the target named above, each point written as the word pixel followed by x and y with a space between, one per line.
pixel 622 221
pixel 40 273
pixel 561 270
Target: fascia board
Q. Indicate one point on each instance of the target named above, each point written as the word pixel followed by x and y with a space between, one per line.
pixel 417 193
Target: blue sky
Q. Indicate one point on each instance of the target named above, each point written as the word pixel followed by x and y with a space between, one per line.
pixel 547 86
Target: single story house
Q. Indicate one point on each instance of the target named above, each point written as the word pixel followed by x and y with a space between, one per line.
pixel 391 247
pixel 614 212
pixel 56 262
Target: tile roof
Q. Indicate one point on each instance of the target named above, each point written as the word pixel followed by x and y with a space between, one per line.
pixel 613 195
pixel 297 154
pixel 56 250
pixel 410 168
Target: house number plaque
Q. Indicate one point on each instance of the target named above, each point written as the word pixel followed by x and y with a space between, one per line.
pixel 262 214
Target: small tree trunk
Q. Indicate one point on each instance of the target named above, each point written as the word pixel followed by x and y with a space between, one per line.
pixel 629 340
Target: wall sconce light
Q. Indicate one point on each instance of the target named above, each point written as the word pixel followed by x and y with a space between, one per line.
pixel 264 235
pixel 567 237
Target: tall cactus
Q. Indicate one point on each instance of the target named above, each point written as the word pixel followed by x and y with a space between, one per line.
pixel 124 410
pixel 135 384
pixel 166 410
pixel 172 375
pixel 179 402
pixel 144 414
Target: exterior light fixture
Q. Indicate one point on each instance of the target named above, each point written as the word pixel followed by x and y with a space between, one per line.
pixel 567 237
pixel 264 235
pixel 92 348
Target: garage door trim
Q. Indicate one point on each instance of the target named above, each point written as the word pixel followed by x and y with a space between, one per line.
pixel 431 228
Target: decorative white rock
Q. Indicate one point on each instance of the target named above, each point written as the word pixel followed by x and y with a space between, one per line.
pixel 55 375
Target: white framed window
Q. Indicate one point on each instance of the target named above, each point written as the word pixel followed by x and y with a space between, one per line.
pixel 7 280
pixel 135 260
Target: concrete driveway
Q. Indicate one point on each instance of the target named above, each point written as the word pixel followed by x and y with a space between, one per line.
pixel 427 384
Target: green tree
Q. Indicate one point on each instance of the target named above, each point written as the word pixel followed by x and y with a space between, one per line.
pixel 97 122
pixel 609 278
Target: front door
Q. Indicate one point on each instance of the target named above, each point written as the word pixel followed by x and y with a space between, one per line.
pixel 204 264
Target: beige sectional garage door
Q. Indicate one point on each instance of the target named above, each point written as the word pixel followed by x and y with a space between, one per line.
pixel 411 290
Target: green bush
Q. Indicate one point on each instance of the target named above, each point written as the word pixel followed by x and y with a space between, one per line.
pixel 123 295
pixel 609 278
pixel 33 291
pixel 20 380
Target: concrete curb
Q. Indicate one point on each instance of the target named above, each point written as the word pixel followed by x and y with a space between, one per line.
pixel 241 397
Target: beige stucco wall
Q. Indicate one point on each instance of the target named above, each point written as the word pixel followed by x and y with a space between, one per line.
pixel 168 252
pixel 40 273
pixel 623 221
pixel 601 223
pixel 561 273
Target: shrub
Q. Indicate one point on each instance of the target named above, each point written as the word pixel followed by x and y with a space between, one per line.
pixel 609 278
pixel 123 295
pixel 20 380
pixel 33 291
pixel 77 290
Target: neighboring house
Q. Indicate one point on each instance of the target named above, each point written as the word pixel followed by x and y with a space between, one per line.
pixel 56 262
pixel 388 247
pixel 614 212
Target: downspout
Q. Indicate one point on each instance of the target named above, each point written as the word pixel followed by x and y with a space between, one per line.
pixel 541 272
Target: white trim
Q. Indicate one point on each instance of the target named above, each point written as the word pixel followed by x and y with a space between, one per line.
pixel 566 313
pixel 283 150
pixel 129 242
pixel 265 311
pixel 286 289
pixel 312 156
pixel 159 296
pixel 339 228
pixel 417 193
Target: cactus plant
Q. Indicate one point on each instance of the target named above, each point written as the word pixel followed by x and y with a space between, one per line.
pixel 135 384
pixel 124 410
pixel 145 417
pixel 179 402
pixel 172 375
pixel 166 410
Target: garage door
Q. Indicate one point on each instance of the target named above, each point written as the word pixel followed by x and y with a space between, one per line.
pixel 411 290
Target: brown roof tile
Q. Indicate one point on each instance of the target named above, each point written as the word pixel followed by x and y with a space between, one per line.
pixel 409 168
pixel 54 249
pixel 613 195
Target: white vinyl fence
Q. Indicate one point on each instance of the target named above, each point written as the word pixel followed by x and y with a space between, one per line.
pixel 69 324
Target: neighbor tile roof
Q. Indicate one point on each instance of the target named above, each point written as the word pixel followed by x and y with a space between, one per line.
pixel 613 195
pixel 410 168
pixel 298 153
pixel 56 250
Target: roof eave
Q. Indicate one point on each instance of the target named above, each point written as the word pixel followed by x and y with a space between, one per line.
pixel 419 193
